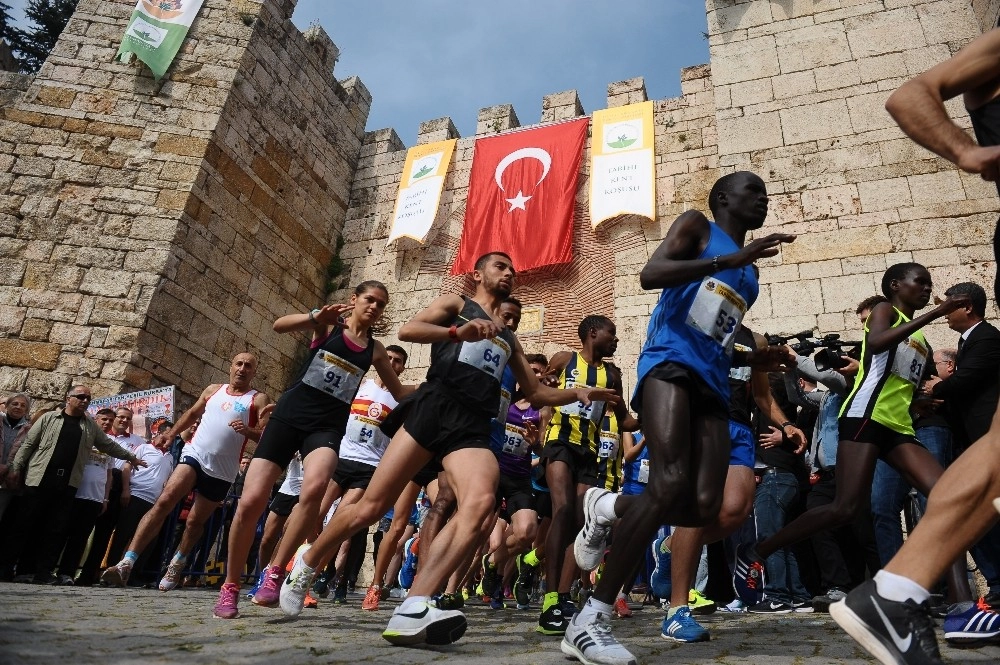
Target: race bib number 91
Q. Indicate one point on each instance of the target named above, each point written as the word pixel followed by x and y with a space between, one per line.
pixel 717 311
pixel 487 355
pixel 334 376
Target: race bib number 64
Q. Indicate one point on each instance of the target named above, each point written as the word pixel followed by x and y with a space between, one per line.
pixel 487 355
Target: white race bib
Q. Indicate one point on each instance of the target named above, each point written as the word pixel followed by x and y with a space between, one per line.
pixel 334 376
pixel 911 357
pixel 514 441
pixel 504 404
pixel 361 429
pixel 607 447
pixel 717 311
pixel 644 471
pixel 740 373
pixel 593 411
pixel 487 355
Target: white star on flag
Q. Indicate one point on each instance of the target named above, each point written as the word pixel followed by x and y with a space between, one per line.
pixel 518 201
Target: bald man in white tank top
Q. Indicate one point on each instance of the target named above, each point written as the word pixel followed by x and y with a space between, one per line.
pixel 229 416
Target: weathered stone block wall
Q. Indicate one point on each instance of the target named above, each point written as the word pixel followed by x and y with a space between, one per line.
pixel 601 279
pixel 800 87
pixel 149 230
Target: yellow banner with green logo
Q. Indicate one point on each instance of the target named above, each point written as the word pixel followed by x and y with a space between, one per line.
pixel 622 163
pixel 420 189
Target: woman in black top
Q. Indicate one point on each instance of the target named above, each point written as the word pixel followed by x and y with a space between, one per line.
pixel 309 418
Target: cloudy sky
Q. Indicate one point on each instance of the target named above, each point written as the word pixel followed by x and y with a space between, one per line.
pixel 424 60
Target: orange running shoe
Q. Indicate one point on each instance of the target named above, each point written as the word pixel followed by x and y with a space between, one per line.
pixel 371 598
pixel 621 609
pixel 311 601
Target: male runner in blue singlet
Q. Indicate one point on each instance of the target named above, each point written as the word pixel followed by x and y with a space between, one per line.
pixel 682 394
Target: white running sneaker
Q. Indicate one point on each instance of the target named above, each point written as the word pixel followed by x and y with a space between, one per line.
pixel 423 623
pixel 172 576
pixel 117 575
pixel 592 643
pixel 297 584
pixel 590 543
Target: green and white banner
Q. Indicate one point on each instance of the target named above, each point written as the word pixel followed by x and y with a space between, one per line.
pixel 156 31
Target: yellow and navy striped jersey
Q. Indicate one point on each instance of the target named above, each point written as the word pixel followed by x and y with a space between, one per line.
pixel 610 454
pixel 575 423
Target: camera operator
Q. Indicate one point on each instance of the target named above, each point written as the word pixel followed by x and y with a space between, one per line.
pixel 844 553
pixel 970 396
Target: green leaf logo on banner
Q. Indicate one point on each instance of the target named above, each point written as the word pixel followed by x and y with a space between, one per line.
pixel 156 31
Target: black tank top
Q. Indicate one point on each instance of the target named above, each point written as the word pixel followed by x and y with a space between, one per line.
pixel 472 370
pixel 986 124
pixel 320 398
pixel 740 398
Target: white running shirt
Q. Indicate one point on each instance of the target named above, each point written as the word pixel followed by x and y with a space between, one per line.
pixel 95 476
pixel 148 481
pixel 127 441
pixel 363 440
pixel 216 446
pixel 293 478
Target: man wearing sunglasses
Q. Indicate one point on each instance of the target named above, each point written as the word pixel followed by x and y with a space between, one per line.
pixel 51 460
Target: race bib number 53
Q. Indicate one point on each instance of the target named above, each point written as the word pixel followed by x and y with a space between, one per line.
pixel 717 311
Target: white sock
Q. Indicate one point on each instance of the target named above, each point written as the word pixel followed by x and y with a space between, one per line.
pixel 605 507
pixel 898 588
pixel 591 608
pixel 412 600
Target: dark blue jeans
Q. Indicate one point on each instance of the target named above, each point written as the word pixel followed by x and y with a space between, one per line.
pixel 776 496
pixel 889 492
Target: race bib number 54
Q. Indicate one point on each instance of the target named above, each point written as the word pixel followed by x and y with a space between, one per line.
pixel 717 311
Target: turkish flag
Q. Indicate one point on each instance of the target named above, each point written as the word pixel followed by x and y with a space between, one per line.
pixel 521 195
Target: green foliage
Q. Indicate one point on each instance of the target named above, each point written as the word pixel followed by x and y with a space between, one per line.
pixel 33 45
pixel 4 19
pixel 334 269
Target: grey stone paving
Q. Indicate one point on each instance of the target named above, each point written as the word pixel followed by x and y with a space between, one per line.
pixel 45 625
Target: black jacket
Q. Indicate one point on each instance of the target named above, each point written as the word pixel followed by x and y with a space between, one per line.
pixel 971 393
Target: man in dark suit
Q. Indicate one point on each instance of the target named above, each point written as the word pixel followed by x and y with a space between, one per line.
pixel 972 391
pixel 970 395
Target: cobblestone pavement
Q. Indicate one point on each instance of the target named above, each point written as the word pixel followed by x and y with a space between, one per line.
pixel 41 625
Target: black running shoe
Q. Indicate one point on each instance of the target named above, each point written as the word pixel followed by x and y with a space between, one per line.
pixel 525 582
pixel 490 576
pixel 553 621
pixel 895 633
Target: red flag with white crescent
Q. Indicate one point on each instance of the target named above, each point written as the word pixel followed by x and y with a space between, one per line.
pixel 521 194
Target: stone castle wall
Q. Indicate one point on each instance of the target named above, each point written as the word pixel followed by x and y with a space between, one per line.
pixel 601 278
pixel 148 231
pixel 795 93
pixel 800 88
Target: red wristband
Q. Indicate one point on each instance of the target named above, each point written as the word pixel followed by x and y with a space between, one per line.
pixel 453 333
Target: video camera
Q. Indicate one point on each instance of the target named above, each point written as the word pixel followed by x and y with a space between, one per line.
pixel 832 354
